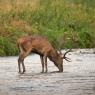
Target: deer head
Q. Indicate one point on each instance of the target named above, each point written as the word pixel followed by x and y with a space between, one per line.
pixel 59 60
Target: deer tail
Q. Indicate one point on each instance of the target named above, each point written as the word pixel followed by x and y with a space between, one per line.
pixel 20 47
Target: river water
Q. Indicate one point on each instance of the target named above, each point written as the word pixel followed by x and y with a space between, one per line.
pixel 78 77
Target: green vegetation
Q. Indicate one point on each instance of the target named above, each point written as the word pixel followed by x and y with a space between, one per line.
pixel 66 23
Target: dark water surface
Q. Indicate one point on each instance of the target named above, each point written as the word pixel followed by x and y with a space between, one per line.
pixel 78 77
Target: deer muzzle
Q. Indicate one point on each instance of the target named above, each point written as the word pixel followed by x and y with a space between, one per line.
pixel 60 67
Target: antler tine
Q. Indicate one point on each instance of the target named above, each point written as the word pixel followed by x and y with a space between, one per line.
pixel 67 59
pixel 67 52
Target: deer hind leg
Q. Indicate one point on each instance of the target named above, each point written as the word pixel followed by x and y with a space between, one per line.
pixel 45 61
pixel 21 61
pixel 42 62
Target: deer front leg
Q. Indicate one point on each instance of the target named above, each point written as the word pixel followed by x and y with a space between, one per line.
pixel 42 62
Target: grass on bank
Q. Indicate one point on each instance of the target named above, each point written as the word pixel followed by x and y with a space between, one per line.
pixel 66 23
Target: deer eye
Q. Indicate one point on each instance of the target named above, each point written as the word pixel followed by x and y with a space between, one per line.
pixel 61 56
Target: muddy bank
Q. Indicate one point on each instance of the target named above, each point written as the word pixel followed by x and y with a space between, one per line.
pixel 78 77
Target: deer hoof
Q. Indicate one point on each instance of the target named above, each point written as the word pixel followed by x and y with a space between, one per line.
pixel 46 71
pixel 42 72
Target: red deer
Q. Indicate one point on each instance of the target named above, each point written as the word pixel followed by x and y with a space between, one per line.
pixel 41 46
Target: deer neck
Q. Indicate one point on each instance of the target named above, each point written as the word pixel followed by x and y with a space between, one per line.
pixel 53 56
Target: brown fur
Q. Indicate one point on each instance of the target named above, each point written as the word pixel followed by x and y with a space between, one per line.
pixel 41 46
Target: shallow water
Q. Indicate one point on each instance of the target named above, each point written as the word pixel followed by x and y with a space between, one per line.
pixel 78 77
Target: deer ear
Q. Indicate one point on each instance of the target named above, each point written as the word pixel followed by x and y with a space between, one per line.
pixel 59 51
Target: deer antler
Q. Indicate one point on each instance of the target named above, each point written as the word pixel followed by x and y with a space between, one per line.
pixel 66 58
